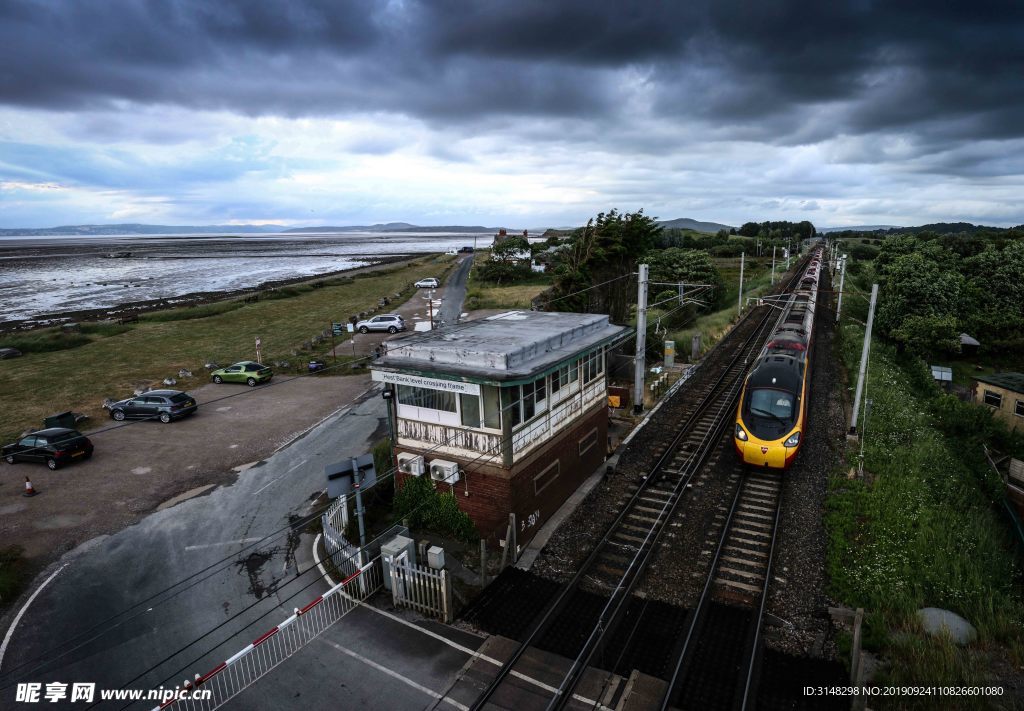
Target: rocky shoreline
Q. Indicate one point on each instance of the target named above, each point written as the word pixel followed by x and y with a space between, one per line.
pixel 191 299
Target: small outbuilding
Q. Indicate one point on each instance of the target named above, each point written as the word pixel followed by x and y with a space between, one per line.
pixel 968 344
pixel 1004 394
pixel 509 413
pixel 943 376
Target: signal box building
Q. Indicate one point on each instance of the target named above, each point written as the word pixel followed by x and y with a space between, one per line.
pixel 509 413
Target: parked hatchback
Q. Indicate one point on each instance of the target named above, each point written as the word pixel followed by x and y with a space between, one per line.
pixel 55 446
pixel 249 372
pixel 392 323
pixel 163 405
pixel 428 283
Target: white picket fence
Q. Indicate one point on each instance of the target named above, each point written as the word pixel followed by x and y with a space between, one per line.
pixel 423 589
pixel 256 660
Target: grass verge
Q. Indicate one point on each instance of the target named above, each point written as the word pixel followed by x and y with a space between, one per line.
pixel 482 294
pixel 920 531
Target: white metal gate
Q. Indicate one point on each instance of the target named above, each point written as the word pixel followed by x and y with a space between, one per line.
pixel 257 659
pixel 422 589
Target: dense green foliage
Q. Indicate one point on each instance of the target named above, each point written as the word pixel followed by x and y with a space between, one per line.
pixel 604 252
pixel 505 264
pixel 690 266
pixel 778 230
pixel 933 287
pixel 425 507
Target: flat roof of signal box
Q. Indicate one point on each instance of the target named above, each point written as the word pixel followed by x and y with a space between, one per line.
pixel 505 347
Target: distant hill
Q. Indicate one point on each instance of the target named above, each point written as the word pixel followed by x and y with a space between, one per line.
pixel 859 228
pixel 685 223
pixel 385 227
pixel 942 228
pixel 134 229
pixel 951 228
pixel 394 227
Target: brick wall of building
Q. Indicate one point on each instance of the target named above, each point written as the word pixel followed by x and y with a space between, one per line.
pixel 494 492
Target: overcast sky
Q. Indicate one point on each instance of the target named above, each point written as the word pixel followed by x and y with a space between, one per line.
pixel 528 113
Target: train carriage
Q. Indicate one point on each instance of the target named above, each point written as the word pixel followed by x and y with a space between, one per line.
pixel 772 413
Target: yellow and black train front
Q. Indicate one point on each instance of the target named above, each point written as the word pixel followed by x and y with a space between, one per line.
pixel 770 415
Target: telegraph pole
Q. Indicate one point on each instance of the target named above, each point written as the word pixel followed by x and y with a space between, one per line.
pixel 641 340
pixel 842 277
pixel 863 360
pixel 739 305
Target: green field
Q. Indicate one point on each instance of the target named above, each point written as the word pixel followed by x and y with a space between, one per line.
pixel 76 372
pixel 481 294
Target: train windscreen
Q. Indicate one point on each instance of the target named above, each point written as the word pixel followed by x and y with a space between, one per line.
pixel 770 413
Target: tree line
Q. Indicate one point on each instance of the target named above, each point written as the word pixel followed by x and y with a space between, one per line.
pixel 933 287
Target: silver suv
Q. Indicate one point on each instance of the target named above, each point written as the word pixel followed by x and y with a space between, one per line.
pixel 392 323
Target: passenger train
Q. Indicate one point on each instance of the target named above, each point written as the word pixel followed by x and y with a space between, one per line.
pixel 772 413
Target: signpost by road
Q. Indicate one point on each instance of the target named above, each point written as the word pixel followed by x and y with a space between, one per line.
pixel 352 475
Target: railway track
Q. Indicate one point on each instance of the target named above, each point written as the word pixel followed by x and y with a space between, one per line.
pixel 715 666
pixel 587 610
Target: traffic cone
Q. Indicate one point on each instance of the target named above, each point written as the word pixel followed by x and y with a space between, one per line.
pixel 29 491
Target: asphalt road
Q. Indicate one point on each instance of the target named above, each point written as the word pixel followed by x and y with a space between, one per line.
pixel 455 292
pixel 113 573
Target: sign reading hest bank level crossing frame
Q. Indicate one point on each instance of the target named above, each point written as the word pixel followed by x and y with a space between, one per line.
pixel 453 386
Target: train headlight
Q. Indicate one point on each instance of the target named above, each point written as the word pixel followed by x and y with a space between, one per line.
pixel 794 440
pixel 741 434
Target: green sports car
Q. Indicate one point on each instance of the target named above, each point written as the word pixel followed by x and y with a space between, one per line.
pixel 249 372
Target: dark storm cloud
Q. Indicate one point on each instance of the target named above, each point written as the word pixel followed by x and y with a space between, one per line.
pixel 784 72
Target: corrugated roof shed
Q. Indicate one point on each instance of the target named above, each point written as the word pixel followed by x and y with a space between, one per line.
pixel 1010 381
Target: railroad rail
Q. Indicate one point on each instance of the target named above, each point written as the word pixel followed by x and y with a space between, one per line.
pixel 715 665
pixel 618 561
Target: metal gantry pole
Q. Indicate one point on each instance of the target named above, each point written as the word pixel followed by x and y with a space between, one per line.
pixel 739 305
pixel 842 278
pixel 357 480
pixel 641 340
pixel 773 264
pixel 863 360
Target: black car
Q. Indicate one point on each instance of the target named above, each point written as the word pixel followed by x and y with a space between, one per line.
pixel 56 446
pixel 163 405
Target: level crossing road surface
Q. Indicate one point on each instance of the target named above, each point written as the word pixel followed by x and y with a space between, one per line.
pixel 372 660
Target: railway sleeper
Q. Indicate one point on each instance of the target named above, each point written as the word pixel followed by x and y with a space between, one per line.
pixel 749 575
pixel 735 537
pixel 745 551
pixel 626 537
pixel 755 564
pixel 759 525
pixel 750 532
pixel 745 506
pixel 735 584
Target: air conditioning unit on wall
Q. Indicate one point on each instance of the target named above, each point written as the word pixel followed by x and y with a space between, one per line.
pixel 410 463
pixel 445 471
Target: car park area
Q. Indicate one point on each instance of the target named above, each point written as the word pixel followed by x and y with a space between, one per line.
pixel 137 466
